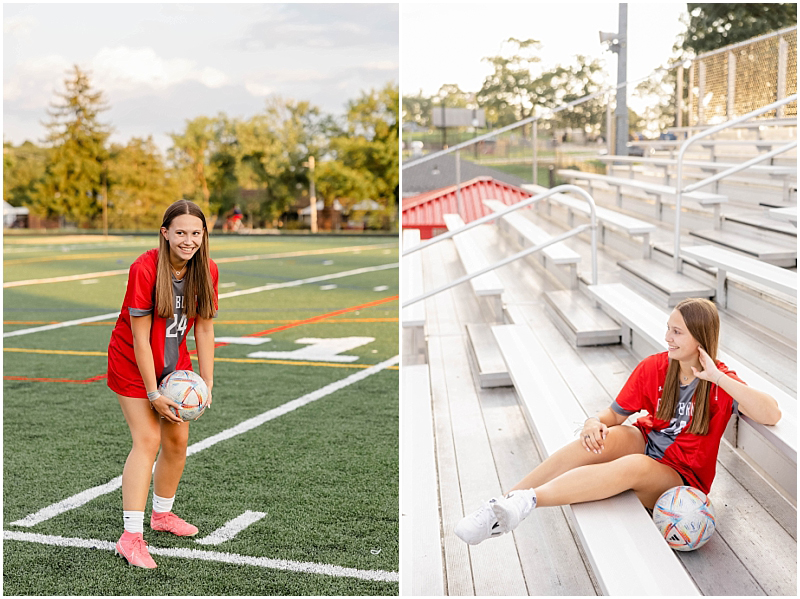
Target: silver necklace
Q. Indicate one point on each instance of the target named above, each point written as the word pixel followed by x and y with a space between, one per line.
pixel 177 272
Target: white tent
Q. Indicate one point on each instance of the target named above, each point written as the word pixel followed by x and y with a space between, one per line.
pixel 10 213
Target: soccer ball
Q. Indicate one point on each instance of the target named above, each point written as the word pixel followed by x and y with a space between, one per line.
pixel 187 389
pixel 685 517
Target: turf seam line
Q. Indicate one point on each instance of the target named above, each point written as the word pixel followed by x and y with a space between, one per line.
pixel 86 496
pixel 211 556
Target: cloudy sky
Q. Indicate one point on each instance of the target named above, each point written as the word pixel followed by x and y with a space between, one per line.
pixel 161 64
pixel 444 43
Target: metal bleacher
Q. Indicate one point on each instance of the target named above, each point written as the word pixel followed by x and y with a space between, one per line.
pixel 504 393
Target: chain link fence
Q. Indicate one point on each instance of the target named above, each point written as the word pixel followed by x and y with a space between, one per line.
pixel 740 78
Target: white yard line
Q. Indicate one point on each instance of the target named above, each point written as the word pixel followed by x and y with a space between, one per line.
pixel 231 528
pixel 211 556
pixel 337 275
pixel 110 273
pixel 296 283
pixel 59 325
pixel 86 496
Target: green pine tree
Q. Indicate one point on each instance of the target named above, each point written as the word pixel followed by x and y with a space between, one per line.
pixel 74 177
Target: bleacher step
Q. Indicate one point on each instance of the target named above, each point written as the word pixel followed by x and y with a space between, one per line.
pixel 492 369
pixel 662 283
pixel 766 251
pixel 579 320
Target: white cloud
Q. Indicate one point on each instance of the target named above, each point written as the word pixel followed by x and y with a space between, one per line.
pixel 20 26
pixel 257 89
pixel 382 65
pixel 33 82
pixel 127 69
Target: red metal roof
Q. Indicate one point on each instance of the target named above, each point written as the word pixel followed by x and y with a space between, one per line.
pixel 427 209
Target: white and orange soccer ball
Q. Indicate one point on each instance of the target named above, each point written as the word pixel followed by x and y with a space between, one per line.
pixel 685 518
pixel 188 389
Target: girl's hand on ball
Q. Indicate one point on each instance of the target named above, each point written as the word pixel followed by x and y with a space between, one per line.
pixel 162 405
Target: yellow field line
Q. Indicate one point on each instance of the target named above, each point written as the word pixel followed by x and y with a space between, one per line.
pixel 70 257
pixel 113 322
pixel 216 359
pixel 63 352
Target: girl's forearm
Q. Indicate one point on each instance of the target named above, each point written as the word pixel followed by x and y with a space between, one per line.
pixel 144 360
pixel 756 404
pixel 204 339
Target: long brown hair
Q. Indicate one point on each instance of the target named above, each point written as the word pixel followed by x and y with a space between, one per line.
pixel 198 272
pixel 702 320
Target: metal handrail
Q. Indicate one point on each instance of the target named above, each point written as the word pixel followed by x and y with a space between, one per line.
pixel 679 175
pixel 496 215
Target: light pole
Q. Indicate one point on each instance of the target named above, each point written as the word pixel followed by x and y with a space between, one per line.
pixel 619 45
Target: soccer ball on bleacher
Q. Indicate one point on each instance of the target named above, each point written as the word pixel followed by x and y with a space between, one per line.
pixel 685 518
pixel 187 389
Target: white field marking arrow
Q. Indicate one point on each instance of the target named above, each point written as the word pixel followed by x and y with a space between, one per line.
pixel 318 350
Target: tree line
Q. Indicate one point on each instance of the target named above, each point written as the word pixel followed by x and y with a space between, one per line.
pixel 259 163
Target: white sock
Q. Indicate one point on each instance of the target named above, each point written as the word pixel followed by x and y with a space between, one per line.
pixel 162 504
pixel 133 521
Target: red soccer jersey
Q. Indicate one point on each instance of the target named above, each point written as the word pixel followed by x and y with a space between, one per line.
pixel 692 456
pixel 167 337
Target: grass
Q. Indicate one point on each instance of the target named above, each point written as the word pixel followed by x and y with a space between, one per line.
pixel 326 474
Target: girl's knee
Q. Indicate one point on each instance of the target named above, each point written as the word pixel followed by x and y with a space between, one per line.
pixel 636 466
pixel 147 443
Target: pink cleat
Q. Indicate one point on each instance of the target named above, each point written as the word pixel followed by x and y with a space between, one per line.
pixel 169 522
pixel 133 548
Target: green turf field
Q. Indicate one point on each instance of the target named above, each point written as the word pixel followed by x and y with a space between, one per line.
pixel 325 474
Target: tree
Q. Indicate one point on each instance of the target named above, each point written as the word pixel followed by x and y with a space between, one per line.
pixel 365 158
pixel 417 109
pixel 24 168
pixel 565 84
pixel 140 187
pixel 507 94
pixel 190 153
pixel 712 26
pixel 73 180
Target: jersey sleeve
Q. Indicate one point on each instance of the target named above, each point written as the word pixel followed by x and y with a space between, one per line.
pixel 631 398
pixel 141 282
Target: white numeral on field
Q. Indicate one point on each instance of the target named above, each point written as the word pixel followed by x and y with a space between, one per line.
pixel 321 350
pixel 231 528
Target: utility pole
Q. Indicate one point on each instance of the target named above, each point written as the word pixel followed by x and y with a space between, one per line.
pixel 622 76
pixel 312 192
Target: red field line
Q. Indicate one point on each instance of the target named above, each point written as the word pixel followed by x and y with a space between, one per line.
pixel 295 323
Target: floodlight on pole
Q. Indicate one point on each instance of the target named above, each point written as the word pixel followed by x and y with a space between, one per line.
pixel 618 43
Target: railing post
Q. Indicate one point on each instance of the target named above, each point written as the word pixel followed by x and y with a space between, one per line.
pixel 609 127
pixel 783 50
pixel 701 92
pixel 458 185
pixel 690 112
pixel 731 85
pixel 679 99
pixel 534 140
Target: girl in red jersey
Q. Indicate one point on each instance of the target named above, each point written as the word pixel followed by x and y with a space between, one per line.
pixel 689 397
pixel 169 290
